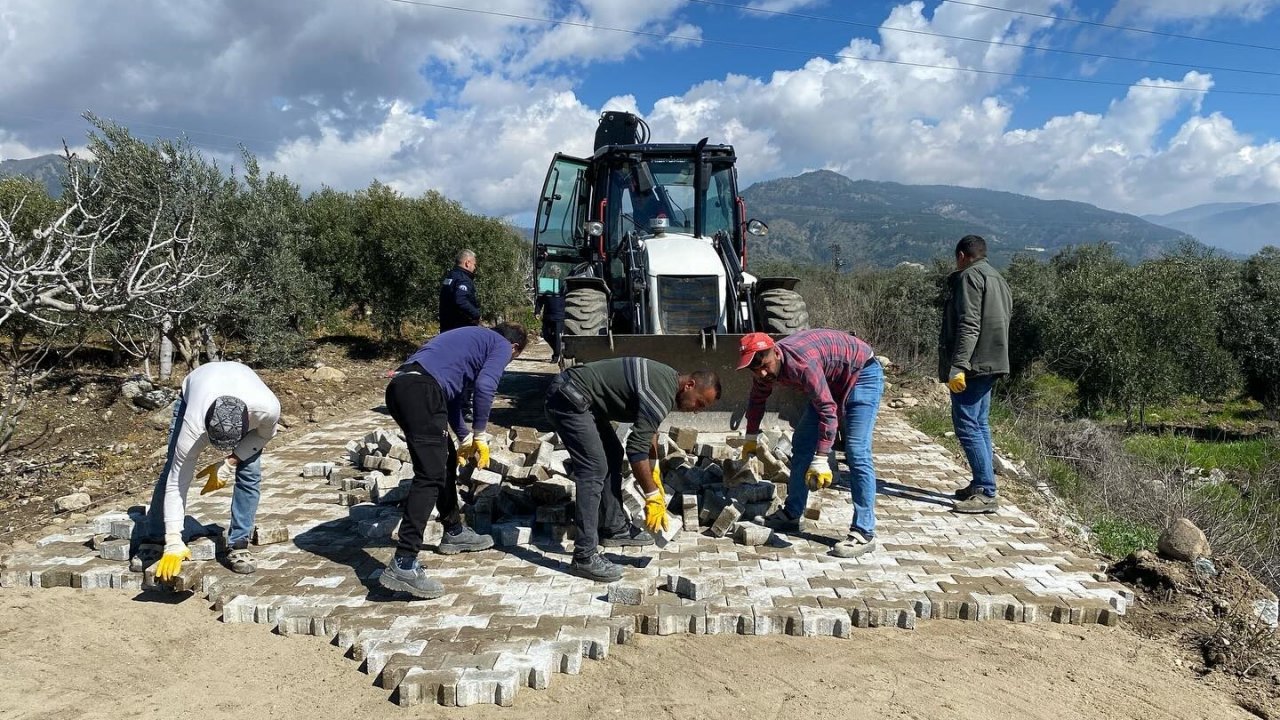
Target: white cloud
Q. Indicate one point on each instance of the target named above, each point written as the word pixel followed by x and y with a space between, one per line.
pixel 340 93
pixel 1184 10
pixel 783 5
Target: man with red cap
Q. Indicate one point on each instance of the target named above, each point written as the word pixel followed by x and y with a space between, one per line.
pixel 839 375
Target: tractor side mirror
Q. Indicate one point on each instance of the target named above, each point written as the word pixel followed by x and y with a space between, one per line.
pixel 757 228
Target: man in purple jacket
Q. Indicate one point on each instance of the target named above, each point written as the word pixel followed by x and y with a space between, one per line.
pixel 839 375
pixel 425 398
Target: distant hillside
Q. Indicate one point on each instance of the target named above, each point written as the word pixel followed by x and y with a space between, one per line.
pixel 884 223
pixel 48 169
pixel 1241 228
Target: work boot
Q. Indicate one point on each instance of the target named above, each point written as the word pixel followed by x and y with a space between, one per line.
pixel 854 544
pixel 463 539
pixel 780 520
pixel 404 574
pixel 977 503
pixel 596 568
pixel 240 560
pixel 631 537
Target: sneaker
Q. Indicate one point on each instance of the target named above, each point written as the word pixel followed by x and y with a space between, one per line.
pixel 148 553
pixel 977 503
pixel 854 544
pixel 412 579
pixel 463 539
pixel 596 568
pixel 964 493
pixel 632 537
pixel 240 560
pixel 780 520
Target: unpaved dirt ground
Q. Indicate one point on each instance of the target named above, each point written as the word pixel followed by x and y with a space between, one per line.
pixel 70 654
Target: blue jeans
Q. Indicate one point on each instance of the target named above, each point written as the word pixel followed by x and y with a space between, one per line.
pixel 970 415
pixel 859 420
pixel 244 495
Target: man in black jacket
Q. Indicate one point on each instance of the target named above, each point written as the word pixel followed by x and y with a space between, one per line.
pixel 458 304
pixel 550 307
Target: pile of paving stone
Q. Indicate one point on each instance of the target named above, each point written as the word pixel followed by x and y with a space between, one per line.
pixel 527 490
pixel 111 536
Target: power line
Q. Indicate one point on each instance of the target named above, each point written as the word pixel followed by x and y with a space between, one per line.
pixel 812 53
pixel 1040 48
pixel 1125 28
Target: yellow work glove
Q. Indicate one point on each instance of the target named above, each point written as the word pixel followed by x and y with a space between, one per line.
pixel 818 476
pixel 655 512
pixel 216 476
pixel 751 446
pixel 657 478
pixel 956 383
pixel 175 551
pixel 477 447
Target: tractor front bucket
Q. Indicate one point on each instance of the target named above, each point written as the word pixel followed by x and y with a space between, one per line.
pixel 687 353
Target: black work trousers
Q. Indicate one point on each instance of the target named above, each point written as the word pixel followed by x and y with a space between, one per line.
pixel 597 457
pixel 419 407
pixel 551 332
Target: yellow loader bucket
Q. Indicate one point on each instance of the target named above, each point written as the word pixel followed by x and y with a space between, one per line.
pixel 687 353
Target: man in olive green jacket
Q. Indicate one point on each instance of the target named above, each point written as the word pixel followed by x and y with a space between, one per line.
pixel 973 351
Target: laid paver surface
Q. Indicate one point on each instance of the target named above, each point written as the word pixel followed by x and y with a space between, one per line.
pixel 513 617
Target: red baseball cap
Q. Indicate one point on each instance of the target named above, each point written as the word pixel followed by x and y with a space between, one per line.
pixel 751 344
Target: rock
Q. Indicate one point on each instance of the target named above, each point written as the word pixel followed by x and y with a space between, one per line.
pixel 1006 467
pixel 1204 567
pixel 1267 610
pixel 74 501
pixel 1183 541
pixel 289 421
pixel 155 399
pixel 161 419
pixel 134 388
pixel 324 373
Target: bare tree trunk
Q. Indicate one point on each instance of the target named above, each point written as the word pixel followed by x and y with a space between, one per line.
pixel 15 402
pixel 211 349
pixel 166 347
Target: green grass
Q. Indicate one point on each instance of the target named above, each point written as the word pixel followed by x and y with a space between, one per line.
pixel 936 423
pixel 1118 538
pixel 1235 414
pixel 1242 457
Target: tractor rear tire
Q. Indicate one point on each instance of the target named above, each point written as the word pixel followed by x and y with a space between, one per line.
pixel 783 312
pixel 586 312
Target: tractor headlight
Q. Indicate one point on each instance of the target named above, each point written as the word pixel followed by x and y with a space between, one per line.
pixel 595 228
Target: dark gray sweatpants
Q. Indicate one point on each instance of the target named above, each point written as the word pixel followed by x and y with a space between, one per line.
pixel 597 457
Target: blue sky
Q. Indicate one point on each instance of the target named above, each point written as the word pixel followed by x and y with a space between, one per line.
pixel 473 104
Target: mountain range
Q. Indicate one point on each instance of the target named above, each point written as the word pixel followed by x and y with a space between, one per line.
pixel 1238 228
pixel 814 216
pixel 819 216
pixel 47 169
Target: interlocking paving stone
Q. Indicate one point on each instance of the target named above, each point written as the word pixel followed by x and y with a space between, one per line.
pixel 512 617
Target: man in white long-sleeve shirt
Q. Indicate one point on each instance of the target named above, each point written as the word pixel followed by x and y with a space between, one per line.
pixel 227 405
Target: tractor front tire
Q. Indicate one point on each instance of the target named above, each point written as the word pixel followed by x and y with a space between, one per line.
pixel 783 312
pixel 586 312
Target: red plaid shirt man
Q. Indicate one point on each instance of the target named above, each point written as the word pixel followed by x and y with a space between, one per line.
pixel 822 363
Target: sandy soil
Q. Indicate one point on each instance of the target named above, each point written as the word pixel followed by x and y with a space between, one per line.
pixel 75 654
